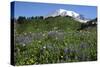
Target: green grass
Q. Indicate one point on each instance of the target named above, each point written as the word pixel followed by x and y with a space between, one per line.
pixel 76 46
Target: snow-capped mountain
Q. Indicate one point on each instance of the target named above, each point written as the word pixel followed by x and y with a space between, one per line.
pixel 63 12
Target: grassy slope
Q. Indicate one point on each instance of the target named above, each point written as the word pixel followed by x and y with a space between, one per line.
pixel 76 45
pixel 62 23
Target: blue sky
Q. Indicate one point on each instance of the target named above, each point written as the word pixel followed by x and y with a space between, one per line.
pixel 29 9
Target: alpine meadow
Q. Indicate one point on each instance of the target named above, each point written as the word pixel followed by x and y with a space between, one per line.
pixel 61 36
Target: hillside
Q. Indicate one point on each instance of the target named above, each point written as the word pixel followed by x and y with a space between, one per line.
pixel 48 24
pixel 57 39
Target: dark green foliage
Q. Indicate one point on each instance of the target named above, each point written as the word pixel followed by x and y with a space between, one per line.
pixel 21 20
pixel 54 40
pixel 91 23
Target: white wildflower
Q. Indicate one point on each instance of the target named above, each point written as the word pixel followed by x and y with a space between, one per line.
pixel 44 47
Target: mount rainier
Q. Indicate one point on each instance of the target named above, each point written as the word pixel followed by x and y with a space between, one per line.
pixel 63 12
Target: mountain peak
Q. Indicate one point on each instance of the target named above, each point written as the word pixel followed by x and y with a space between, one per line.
pixel 63 12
